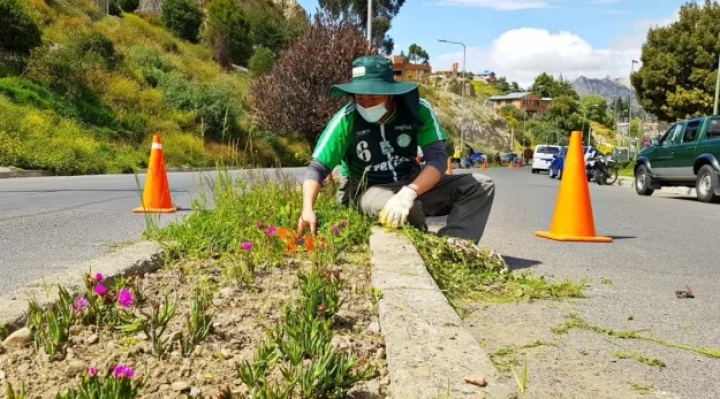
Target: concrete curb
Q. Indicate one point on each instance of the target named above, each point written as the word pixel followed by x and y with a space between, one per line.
pixel 629 182
pixel 429 353
pixel 137 259
pixel 24 173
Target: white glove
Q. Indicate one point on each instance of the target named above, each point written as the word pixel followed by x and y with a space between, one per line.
pixel 397 209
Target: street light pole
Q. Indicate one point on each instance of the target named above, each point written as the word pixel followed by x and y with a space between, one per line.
pixel 717 89
pixel 462 93
pixel 632 70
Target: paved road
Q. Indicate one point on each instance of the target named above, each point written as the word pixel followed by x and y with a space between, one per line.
pixel 663 243
pixel 49 224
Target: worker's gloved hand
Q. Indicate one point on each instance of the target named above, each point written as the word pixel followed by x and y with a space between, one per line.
pixel 396 211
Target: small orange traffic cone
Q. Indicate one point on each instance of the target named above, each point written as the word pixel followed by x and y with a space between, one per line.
pixel 485 164
pixel 156 197
pixel 450 167
pixel 510 164
pixel 573 216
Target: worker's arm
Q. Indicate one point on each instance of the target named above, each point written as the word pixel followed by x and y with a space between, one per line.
pixel 431 138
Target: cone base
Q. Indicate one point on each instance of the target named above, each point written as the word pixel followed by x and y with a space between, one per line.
pixel 142 209
pixel 568 238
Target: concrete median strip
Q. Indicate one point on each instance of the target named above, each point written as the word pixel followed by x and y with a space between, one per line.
pixel 429 353
pixel 137 259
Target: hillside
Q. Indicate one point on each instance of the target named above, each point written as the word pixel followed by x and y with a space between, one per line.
pixel 608 88
pixel 92 95
pixel 485 130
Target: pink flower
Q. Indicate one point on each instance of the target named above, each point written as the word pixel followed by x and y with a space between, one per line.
pixel 271 230
pixel 246 246
pixel 100 290
pixel 260 225
pixel 125 298
pixel 123 372
pixel 345 223
pixel 321 309
pixel 99 278
pixel 80 304
pixel 335 230
pixel 92 372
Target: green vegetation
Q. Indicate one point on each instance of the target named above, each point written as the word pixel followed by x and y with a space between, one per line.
pixel 467 275
pixel 679 64
pixel 84 93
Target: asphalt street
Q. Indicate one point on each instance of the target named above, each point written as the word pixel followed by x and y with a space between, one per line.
pixel 50 224
pixel 663 243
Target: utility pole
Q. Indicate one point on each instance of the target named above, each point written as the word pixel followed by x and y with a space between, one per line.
pixel 717 89
pixel 632 70
pixel 369 23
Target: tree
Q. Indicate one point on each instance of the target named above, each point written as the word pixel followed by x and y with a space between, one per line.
pixel 269 31
pixel 261 61
pixel 20 32
pixel 597 108
pixel 355 12
pixel 417 54
pixel 677 76
pixel 229 32
pixel 183 18
pixel 294 98
pixel 547 86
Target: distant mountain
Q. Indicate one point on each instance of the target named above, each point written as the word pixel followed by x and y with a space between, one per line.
pixel 608 88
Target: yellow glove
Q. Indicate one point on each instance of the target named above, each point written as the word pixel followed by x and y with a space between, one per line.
pixel 397 209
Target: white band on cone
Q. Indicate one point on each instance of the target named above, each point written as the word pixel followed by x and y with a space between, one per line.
pixel 156 146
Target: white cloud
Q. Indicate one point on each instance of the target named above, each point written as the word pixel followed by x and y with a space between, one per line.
pixel 499 5
pixel 522 54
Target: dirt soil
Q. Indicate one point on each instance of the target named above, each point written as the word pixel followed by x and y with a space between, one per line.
pixel 243 316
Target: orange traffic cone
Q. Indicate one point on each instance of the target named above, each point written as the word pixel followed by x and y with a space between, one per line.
pixel 449 168
pixel 156 197
pixel 573 215
pixel 510 164
pixel 485 164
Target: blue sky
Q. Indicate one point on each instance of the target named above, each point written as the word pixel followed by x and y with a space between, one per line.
pixel 522 38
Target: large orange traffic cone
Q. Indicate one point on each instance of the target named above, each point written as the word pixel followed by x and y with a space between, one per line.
pixel 156 197
pixel 573 216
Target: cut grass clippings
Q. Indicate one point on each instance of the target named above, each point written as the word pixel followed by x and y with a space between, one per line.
pixel 470 276
pixel 235 317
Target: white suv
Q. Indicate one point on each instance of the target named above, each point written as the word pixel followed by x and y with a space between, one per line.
pixel 543 157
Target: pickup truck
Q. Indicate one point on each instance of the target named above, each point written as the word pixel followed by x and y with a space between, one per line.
pixel 686 155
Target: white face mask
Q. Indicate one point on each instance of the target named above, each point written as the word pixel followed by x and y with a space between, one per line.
pixel 374 113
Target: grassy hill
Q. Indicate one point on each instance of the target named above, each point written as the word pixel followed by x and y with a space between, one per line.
pixel 90 98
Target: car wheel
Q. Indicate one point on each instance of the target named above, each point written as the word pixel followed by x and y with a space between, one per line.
pixel 705 184
pixel 642 181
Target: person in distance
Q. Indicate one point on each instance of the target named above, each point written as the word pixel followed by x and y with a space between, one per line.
pixel 375 140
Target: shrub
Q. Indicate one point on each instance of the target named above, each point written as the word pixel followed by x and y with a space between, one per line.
pixel 127 5
pixel 229 33
pixel 295 96
pixel 20 32
pixel 268 31
pixel 183 18
pixel 262 61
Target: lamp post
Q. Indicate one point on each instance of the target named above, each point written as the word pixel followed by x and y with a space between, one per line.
pixel 583 124
pixel 632 70
pixel 717 88
pixel 462 93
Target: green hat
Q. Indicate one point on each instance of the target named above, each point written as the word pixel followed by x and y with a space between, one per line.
pixel 373 75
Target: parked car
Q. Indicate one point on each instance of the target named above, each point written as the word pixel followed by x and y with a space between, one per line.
pixel 543 157
pixel 509 157
pixel 686 155
pixel 477 158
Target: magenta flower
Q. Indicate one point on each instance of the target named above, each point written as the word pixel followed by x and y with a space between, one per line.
pixel 100 290
pixel 260 225
pixel 125 298
pixel 80 304
pixel 246 246
pixel 271 230
pixel 92 372
pixel 99 278
pixel 345 223
pixel 123 372
pixel 335 230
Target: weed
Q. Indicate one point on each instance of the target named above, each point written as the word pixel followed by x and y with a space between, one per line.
pixel 153 324
pixel 641 389
pixel 51 327
pixel 479 275
pixel 13 394
pixel 198 322
pixel 573 321
pixel 650 361
pixel 522 380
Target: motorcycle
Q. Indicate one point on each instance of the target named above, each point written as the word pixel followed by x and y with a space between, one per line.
pixel 601 170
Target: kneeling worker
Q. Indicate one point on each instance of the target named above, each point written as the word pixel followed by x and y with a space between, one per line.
pixel 375 139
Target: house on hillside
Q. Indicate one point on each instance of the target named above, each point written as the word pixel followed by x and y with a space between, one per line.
pixel 486 76
pixel 406 71
pixel 525 101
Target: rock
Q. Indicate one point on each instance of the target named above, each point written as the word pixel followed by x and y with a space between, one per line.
pixel 226 353
pixel 92 340
pixel 380 354
pixel 2 375
pixel 195 392
pixel 374 327
pixel 339 342
pixel 18 339
pixel 76 367
pixel 227 292
pixel 180 386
